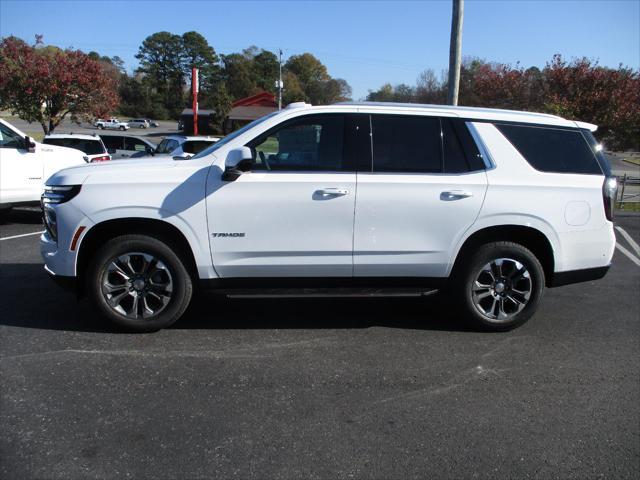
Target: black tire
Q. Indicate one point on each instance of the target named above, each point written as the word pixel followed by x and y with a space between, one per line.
pixel 122 128
pixel 172 268
pixel 505 257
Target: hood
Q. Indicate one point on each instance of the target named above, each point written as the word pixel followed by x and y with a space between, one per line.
pixel 134 168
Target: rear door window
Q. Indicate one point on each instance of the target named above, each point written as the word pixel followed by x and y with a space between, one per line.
pixel 195 146
pixel 112 142
pixel 410 144
pixel 550 149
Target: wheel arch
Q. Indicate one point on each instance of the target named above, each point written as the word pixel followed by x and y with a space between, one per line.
pixel 101 232
pixel 529 237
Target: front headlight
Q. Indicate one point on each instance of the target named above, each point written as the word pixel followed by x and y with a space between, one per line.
pixel 59 194
pixel 55 195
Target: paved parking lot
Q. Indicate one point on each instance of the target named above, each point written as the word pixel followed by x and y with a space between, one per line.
pixel 317 389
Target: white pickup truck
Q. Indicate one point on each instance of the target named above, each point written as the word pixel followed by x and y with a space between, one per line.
pixel 25 164
pixel 111 124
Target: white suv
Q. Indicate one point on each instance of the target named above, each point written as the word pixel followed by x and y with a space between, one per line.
pixel 91 145
pixel 25 165
pixel 490 205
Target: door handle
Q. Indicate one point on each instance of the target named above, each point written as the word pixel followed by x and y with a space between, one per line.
pixel 335 192
pixel 454 195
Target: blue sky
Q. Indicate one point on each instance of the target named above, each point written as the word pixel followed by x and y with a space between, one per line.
pixel 367 43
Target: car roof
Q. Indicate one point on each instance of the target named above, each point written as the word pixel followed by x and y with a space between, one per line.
pixel 469 113
pixel 73 135
pixel 186 138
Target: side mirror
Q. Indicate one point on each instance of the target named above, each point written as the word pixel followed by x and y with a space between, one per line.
pixel 239 160
pixel 150 150
pixel 29 144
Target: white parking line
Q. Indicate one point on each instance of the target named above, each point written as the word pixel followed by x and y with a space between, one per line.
pixel 23 235
pixel 628 238
pixel 631 256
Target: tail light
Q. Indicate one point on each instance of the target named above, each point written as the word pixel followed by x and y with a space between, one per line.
pixel 103 158
pixel 609 189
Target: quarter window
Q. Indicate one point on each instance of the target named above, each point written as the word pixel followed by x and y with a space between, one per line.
pixel 311 143
pixel 552 149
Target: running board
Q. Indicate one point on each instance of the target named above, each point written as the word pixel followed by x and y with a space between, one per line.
pixel 328 292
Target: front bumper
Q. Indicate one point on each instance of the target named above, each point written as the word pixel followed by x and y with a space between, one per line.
pixel 68 284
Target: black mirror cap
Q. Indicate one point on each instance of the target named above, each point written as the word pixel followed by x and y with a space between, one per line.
pixel 233 173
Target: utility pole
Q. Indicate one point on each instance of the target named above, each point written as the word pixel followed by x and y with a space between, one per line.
pixel 194 89
pixel 279 79
pixel 455 51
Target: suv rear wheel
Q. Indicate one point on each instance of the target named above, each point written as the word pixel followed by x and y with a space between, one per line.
pixel 500 286
pixel 139 283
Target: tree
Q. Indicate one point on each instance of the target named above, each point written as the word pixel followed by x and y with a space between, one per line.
pixel 162 61
pixel 45 85
pixel 238 75
pixel 314 81
pixel 199 54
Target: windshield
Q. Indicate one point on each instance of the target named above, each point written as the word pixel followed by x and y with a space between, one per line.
pixel 233 135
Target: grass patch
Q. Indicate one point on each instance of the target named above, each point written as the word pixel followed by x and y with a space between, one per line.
pixel 633 160
pixel 629 207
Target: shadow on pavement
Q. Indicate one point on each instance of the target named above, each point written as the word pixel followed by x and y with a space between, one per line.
pixel 31 300
pixel 22 215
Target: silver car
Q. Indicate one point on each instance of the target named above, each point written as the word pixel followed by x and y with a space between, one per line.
pixel 138 123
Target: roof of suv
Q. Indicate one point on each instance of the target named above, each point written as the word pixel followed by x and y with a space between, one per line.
pixel 185 138
pixel 73 135
pixel 471 113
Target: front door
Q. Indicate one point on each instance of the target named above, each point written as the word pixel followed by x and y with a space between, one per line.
pixel 20 170
pixel 292 214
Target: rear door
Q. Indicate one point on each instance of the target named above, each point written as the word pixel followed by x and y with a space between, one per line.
pixel 292 215
pixel 424 189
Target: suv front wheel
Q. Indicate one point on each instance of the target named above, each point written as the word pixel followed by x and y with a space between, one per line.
pixel 139 283
pixel 500 286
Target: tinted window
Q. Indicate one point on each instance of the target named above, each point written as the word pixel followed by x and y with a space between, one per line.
pixel 597 149
pixel 455 159
pixel 9 138
pixel 167 145
pixel 134 144
pixel 195 146
pixel 406 144
pixel 309 144
pixel 551 149
pixel 112 142
pixel 90 147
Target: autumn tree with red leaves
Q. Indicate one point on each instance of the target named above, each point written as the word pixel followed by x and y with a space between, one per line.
pixel 46 85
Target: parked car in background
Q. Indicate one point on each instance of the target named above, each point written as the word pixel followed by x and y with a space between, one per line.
pixel 25 165
pixel 111 124
pixel 181 146
pixel 138 123
pixel 125 146
pixel 490 205
pixel 91 145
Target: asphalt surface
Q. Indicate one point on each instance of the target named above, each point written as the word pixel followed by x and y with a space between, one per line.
pixel 317 389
